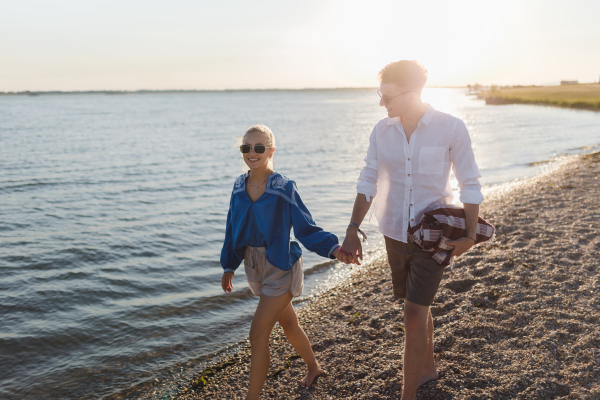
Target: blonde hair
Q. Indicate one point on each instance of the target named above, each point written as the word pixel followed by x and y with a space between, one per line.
pixel 262 129
pixel 265 130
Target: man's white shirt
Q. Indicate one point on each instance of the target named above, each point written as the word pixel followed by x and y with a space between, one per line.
pixel 407 179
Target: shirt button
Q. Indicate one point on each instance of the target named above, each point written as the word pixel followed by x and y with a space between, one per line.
pixel 408 174
pixel 409 159
pixel 412 219
pixel 411 205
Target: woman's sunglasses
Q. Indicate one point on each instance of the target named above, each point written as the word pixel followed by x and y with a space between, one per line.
pixel 259 148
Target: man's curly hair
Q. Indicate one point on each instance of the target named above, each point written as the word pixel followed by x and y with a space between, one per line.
pixel 404 73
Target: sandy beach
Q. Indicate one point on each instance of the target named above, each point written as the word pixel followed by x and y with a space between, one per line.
pixel 517 319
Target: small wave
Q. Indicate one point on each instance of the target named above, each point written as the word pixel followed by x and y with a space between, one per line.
pixel 555 158
pixel 536 163
pixel 12 227
pixel 319 267
pixel 34 185
pixel 21 260
pixel 118 247
pixel 87 255
pixel 72 275
pixel 164 310
pixel 145 254
pixel 586 149
pixel 15 244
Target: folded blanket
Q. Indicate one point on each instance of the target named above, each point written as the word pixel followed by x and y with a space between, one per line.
pixel 443 224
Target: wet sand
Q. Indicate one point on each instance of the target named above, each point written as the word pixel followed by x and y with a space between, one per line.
pixel 517 319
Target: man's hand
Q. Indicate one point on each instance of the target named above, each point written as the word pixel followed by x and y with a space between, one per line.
pixel 226 283
pixel 465 243
pixel 352 247
pixel 460 245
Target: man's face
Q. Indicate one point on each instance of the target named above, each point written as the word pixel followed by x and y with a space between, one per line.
pixel 394 98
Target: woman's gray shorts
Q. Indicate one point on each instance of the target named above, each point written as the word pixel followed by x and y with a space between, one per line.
pixel 266 279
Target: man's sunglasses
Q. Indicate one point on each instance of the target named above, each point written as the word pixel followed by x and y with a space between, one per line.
pixel 388 98
pixel 259 148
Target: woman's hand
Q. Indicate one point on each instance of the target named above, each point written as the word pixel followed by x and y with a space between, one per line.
pixel 339 255
pixel 226 282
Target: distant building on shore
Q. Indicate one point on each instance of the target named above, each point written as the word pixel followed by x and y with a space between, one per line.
pixel 568 82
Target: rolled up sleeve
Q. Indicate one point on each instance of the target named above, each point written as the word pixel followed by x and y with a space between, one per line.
pixel 464 165
pixel 367 181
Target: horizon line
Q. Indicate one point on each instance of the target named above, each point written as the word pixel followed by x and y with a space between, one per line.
pixel 141 91
pixel 144 91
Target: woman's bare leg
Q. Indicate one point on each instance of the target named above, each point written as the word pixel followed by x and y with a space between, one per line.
pixel 267 313
pixel 298 339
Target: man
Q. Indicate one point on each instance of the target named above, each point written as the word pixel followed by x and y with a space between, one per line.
pixel 407 172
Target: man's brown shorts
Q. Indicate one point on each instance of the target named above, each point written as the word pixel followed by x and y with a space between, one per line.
pixel 415 275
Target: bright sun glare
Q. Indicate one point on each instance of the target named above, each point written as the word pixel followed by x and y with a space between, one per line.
pixel 360 38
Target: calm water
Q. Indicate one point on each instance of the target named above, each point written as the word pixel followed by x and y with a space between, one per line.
pixel 112 215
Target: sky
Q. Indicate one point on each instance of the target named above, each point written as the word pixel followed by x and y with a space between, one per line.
pixel 264 44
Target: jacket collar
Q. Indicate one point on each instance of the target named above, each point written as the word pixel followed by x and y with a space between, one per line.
pixel 269 178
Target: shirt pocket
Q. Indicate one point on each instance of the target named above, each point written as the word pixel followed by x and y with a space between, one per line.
pixel 431 160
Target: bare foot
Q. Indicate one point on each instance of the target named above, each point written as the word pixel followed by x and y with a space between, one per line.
pixel 310 377
pixel 426 377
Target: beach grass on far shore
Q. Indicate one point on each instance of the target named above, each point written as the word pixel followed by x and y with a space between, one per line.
pixel 580 96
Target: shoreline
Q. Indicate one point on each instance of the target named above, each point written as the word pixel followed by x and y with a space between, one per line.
pixel 501 101
pixel 576 97
pixel 518 318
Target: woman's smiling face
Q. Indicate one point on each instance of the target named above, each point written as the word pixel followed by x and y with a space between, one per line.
pixel 253 159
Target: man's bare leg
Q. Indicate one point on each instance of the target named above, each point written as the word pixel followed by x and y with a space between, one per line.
pixel 429 370
pixel 299 341
pixel 415 347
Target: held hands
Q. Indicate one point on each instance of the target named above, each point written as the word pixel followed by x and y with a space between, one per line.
pixel 338 254
pixel 226 283
pixel 461 245
pixel 342 256
pixel 351 249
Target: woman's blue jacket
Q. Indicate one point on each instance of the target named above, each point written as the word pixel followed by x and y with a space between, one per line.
pixel 272 216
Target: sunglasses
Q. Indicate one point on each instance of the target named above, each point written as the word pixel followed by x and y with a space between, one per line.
pixel 259 148
pixel 388 98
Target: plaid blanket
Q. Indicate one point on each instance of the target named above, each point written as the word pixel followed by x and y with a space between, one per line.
pixel 443 224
